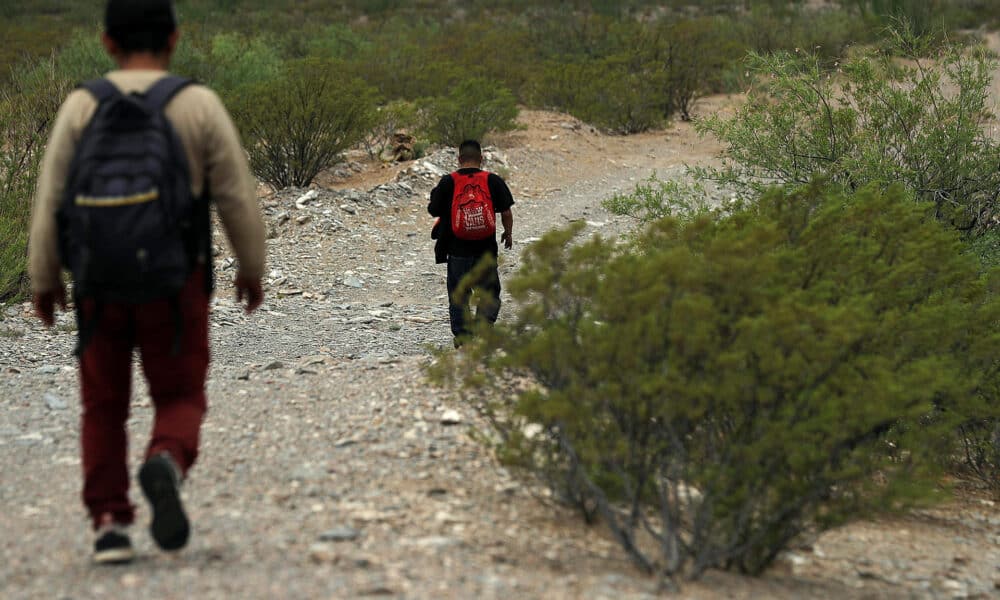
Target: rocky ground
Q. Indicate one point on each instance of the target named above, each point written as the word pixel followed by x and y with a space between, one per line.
pixel 331 469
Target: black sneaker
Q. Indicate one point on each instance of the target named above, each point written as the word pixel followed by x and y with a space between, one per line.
pixel 112 545
pixel 160 481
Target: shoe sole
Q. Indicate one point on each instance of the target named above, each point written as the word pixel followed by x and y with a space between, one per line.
pixel 170 527
pixel 114 556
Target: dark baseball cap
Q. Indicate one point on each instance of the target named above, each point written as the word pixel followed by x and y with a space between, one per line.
pixel 140 15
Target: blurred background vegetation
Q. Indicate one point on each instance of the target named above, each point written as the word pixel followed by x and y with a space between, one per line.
pixel 622 66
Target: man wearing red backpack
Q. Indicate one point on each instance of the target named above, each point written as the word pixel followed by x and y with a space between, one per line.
pixel 466 203
pixel 122 203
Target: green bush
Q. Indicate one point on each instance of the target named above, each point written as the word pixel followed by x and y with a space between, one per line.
pixel 826 32
pixel 689 58
pixel 877 120
pixel 923 15
pixel 974 14
pixel 83 57
pixel 28 105
pixel 978 436
pixel 650 75
pixel 470 110
pixel 299 124
pixel 338 42
pixel 229 62
pixel 726 384
pixel 654 199
pixel 615 94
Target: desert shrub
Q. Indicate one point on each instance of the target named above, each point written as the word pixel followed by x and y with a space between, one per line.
pixel 825 32
pixel 28 105
pixel 76 55
pixel 83 57
pixel 239 62
pixel 650 75
pixel 878 120
pixel 986 247
pixel 973 14
pixel 401 63
pixel 230 63
pixel 978 435
pixel 695 58
pixel 653 199
pixel 923 15
pixel 470 110
pixel 338 42
pixel 618 94
pixel 298 124
pixel 622 97
pixel 979 452
pixel 725 384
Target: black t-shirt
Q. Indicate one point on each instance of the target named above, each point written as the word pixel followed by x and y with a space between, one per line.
pixel 440 206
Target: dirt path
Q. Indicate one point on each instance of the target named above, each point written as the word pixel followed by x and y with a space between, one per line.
pixel 331 470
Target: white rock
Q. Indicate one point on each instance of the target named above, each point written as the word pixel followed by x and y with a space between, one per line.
pixel 55 402
pixel 531 430
pixel 306 198
pixel 451 417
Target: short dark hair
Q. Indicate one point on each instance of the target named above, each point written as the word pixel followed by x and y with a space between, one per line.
pixel 141 41
pixel 470 150
pixel 140 25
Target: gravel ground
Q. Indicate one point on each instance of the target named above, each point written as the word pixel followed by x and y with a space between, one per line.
pixel 331 469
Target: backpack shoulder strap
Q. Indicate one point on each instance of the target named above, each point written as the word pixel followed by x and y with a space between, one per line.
pixel 102 89
pixel 164 90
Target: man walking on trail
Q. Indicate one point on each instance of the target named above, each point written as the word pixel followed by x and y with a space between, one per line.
pixel 139 248
pixel 466 203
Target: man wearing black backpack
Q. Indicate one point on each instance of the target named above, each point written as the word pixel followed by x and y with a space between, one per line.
pixel 466 203
pixel 122 203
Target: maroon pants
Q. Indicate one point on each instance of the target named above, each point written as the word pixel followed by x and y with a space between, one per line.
pixel 176 384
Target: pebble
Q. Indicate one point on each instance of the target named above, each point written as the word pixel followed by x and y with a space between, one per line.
pixel 323 553
pixel 55 402
pixel 431 542
pixel 340 534
pixel 306 198
pixel 451 417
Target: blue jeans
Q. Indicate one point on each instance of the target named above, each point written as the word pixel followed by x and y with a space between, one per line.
pixel 487 290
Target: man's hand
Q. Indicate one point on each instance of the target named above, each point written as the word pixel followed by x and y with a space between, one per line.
pixel 45 304
pixel 249 288
pixel 507 238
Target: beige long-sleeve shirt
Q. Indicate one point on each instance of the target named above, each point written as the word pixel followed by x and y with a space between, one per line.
pixel 215 157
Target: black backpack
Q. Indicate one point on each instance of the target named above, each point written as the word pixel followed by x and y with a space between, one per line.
pixel 130 230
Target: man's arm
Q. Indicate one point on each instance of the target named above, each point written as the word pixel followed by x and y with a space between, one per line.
pixel 436 207
pixel 507 237
pixel 503 200
pixel 43 252
pixel 233 190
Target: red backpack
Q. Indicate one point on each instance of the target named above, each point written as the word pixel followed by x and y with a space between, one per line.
pixel 472 216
